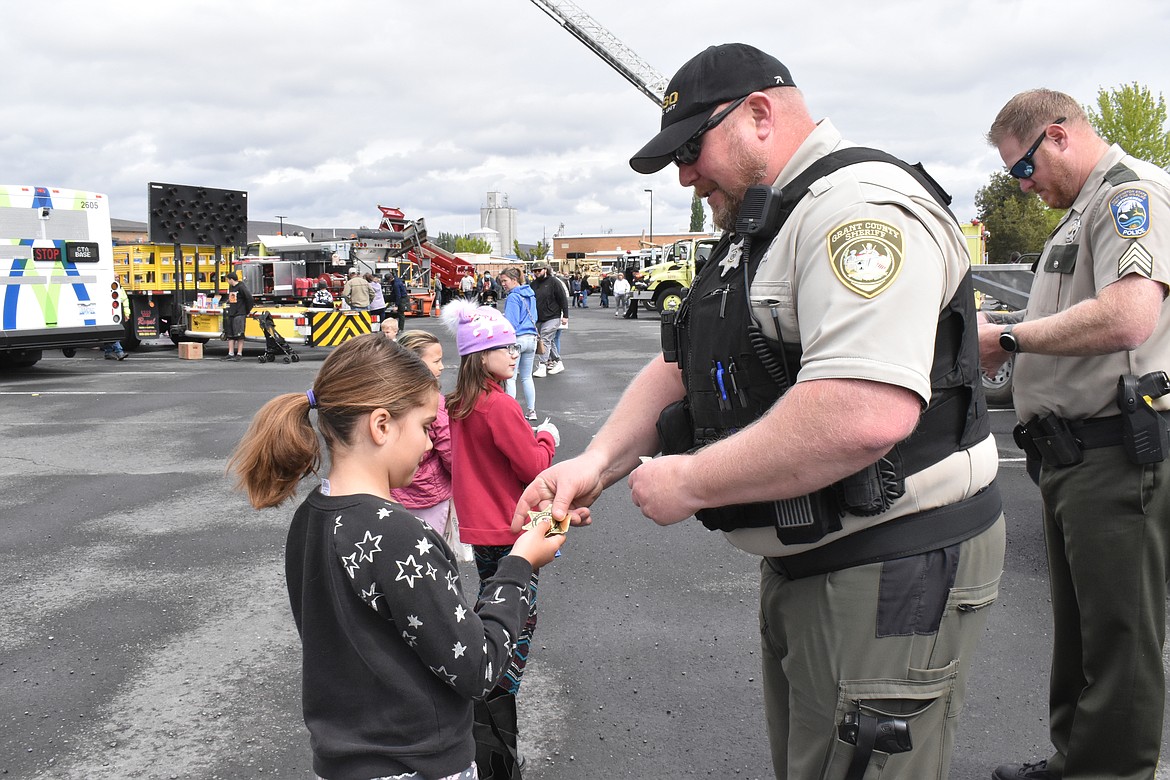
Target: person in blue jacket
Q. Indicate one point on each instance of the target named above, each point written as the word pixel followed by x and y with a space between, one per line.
pixel 520 310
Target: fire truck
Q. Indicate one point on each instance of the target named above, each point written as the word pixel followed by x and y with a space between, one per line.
pixel 283 275
pixel 426 268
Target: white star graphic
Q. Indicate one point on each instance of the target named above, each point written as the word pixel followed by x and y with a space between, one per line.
pixel 460 613
pixel 403 574
pixel 374 543
pixel 413 621
pixel 487 675
pixel 431 571
pixel 442 672
pixel 350 563
pixel 372 595
pixel 337 524
pixel 497 598
pixel 383 513
pixel 410 639
pixel 453 581
pixel 459 649
pixel 424 546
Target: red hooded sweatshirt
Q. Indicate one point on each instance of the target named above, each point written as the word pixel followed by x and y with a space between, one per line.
pixel 494 455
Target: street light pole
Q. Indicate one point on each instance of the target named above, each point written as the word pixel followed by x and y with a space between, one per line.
pixel 651 220
pixel 281 218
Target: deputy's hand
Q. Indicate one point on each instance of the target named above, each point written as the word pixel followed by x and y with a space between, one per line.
pixel 659 488
pixel 991 355
pixel 570 486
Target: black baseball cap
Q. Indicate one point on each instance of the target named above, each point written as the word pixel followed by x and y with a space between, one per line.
pixel 715 76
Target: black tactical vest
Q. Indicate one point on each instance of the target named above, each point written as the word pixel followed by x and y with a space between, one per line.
pixel 733 375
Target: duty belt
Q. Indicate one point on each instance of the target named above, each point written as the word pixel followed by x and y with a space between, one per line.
pixel 901 537
pixel 1090 434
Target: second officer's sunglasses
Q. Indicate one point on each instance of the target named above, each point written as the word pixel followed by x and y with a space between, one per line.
pixel 1026 166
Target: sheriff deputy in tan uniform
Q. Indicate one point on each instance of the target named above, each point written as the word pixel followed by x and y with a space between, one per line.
pixel 834 425
pixel 1095 324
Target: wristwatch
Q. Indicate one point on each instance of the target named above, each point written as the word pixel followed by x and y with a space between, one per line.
pixel 1008 341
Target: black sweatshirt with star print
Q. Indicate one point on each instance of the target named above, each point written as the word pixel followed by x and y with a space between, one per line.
pixel 392 655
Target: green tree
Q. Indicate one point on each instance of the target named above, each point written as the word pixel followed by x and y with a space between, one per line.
pixel 446 241
pixel 698 216
pixel 456 242
pixel 1016 221
pixel 1131 117
pixel 473 245
pixel 538 252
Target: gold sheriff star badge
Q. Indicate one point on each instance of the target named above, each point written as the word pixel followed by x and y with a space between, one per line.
pixel 555 526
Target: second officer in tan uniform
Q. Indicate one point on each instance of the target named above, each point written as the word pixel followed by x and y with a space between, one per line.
pixel 1095 332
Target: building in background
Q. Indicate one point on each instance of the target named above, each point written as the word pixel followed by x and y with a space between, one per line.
pixel 493 239
pixel 500 217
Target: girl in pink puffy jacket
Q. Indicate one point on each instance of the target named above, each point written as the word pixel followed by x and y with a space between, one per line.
pixel 429 495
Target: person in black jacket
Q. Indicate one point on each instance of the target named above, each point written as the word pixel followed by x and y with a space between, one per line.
pixel 632 311
pixel 235 316
pixel 552 311
pixel 605 286
pixel 393 654
pixel 397 298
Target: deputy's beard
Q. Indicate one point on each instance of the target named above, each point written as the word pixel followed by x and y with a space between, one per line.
pixel 749 168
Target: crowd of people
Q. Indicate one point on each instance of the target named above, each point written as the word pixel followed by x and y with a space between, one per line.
pixel 872 502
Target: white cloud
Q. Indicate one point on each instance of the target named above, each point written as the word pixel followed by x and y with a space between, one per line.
pixel 322 111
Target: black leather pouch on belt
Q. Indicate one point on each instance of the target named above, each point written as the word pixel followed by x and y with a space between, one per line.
pixel 1052 439
pixel 676 432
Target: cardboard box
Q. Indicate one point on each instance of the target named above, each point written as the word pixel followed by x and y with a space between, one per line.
pixel 190 350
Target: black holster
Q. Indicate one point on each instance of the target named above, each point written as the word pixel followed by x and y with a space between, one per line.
pixel 1049 439
pixel 1143 431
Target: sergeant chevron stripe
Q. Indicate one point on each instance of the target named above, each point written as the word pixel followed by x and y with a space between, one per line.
pixel 330 328
pixel 1136 258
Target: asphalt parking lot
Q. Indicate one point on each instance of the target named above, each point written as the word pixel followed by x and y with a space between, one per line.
pixel 145 630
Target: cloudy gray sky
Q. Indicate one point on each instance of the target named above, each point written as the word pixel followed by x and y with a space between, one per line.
pixel 323 110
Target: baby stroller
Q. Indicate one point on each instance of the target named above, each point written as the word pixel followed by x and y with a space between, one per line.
pixel 274 343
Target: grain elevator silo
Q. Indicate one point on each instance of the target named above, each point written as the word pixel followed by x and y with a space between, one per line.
pixel 500 217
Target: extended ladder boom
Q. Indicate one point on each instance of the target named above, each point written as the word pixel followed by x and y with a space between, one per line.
pixel 606 45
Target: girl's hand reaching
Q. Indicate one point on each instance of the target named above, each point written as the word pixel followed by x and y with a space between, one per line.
pixel 537 548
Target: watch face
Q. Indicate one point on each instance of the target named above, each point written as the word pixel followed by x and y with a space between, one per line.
pixel 1007 342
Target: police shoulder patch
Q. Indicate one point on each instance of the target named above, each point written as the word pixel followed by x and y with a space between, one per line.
pixel 866 255
pixel 1131 212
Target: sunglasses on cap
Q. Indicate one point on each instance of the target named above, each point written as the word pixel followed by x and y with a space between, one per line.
pixel 1026 166
pixel 688 153
pixel 513 349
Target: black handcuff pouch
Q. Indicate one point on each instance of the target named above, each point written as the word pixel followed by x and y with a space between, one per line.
pixel 1053 440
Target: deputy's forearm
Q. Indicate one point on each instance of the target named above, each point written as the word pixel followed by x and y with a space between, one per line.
pixel 1121 317
pixel 817 434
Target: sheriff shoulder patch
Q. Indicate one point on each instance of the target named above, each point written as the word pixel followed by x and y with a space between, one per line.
pixel 1131 213
pixel 866 255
